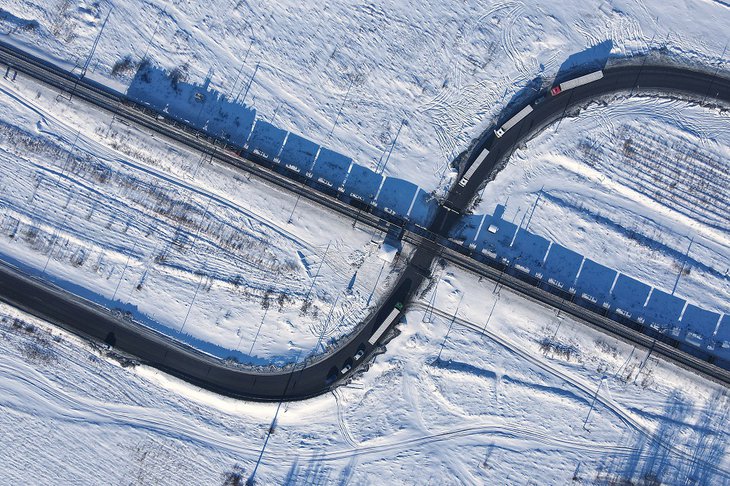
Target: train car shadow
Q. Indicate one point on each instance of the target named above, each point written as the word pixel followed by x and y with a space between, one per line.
pixel 198 105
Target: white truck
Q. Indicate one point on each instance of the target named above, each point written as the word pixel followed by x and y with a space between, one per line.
pixel 386 323
pixel 574 83
pixel 513 121
pixel 470 172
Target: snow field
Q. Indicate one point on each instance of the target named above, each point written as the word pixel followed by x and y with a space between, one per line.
pixel 499 406
pixel 199 251
pixel 638 185
pixel 356 71
pixel 508 399
pixel 348 76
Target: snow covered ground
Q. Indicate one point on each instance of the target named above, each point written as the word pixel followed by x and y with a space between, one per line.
pixel 233 266
pixel 638 185
pixel 506 393
pixel 518 396
pixel 346 74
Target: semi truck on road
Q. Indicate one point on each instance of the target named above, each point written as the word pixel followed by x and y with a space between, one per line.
pixel 513 121
pixel 470 172
pixel 574 83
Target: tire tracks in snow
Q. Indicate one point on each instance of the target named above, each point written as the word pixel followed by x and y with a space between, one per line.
pixel 342 421
pixel 24 388
pixel 589 389
pixel 108 155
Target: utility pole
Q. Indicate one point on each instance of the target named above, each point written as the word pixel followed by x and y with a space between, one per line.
pixel 252 479
pixel 91 55
pixel 339 112
pixel 293 209
pixel 428 315
pixel 714 75
pixel 499 280
pixel 593 402
pixel 357 217
pixel 250 351
pixel 50 253
pixel 238 75
pixel 403 122
pixel 149 43
pixel 243 63
pixel 203 156
pixel 134 247
pixel 202 220
pixel 684 262
pixel 190 307
pixel 376 285
pixel 325 324
pixel 276 110
pixel 314 280
pixel 93 47
pixel 489 317
pixel 451 324
pixel 53 243
pixel 68 158
pixel 641 68
pixel 250 82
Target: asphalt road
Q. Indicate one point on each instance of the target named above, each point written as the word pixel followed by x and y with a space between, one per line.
pixel 150 347
pixel 306 379
pixel 637 79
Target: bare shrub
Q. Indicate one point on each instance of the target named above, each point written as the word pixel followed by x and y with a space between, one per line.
pixel 124 66
pixel 565 351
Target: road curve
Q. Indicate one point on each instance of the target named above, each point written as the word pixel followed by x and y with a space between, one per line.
pixel 638 79
pixel 310 378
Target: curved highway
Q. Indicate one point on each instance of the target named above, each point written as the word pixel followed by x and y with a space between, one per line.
pixel 637 79
pixel 311 378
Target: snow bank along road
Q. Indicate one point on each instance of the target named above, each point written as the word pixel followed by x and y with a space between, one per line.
pixel 311 378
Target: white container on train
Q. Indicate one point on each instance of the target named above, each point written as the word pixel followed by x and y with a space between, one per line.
pixel 574 83
pixel 513 121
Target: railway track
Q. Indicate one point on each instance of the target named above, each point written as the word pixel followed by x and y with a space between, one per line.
pixel 430 242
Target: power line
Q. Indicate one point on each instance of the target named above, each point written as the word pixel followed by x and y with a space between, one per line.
pixel 93 47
